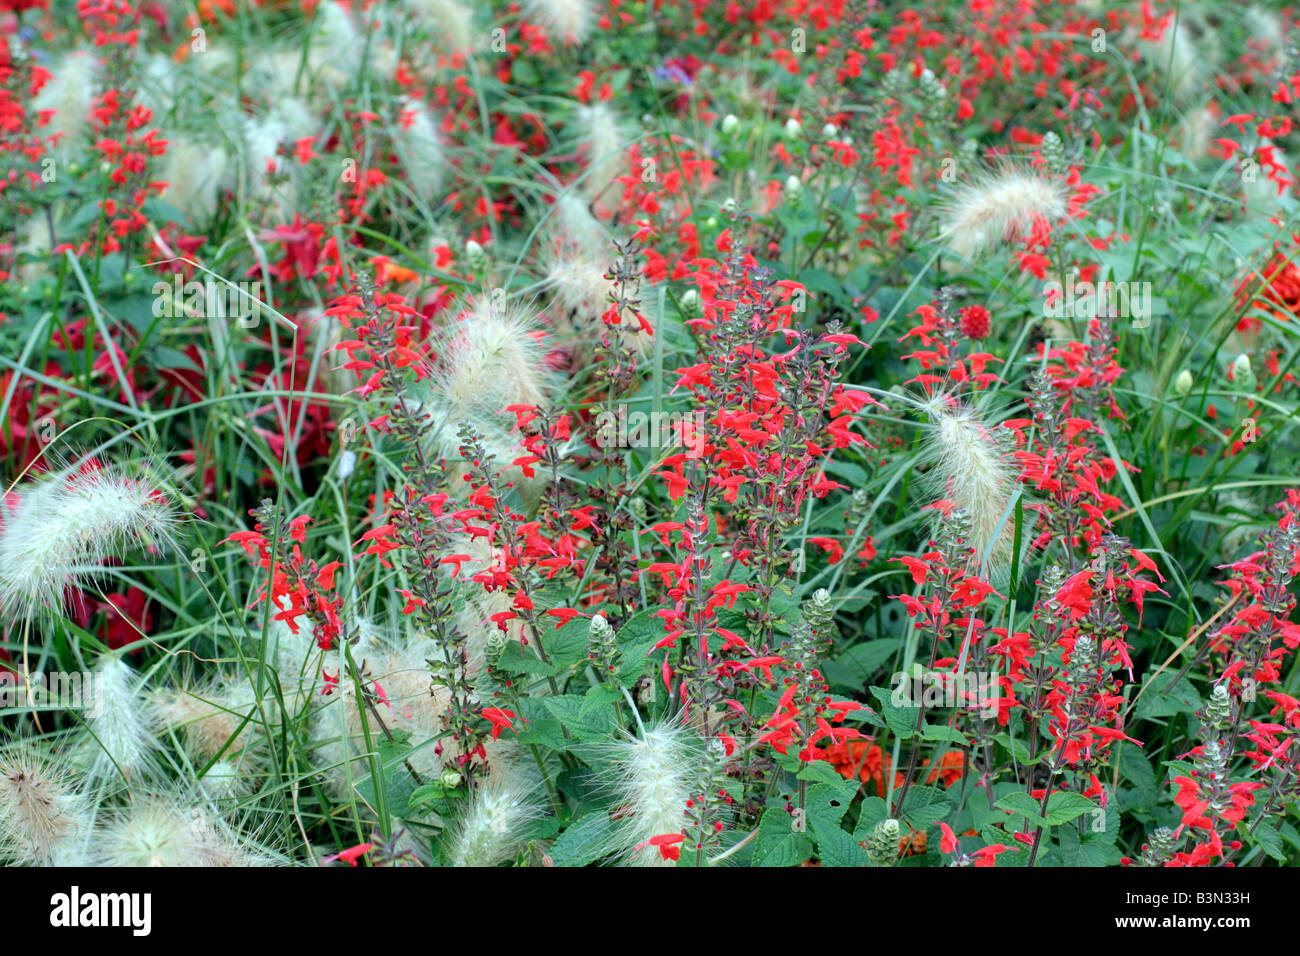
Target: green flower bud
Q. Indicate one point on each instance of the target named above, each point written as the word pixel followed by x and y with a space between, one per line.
pixel 882 844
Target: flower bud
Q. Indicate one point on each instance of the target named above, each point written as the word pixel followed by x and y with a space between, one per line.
pixel 450 778
pixel 730 124
pixel 1183 383
pixel 793 185
pixel 473 249
pixel 1242 373
pixel 882 844
pixel 793 129
pixel 829 130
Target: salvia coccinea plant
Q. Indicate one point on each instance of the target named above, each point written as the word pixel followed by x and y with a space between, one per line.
pixel 649 435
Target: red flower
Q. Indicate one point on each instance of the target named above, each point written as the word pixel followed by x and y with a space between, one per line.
pixel 975 321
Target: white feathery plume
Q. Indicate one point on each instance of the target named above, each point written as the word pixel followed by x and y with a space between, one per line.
pixel 450 23
pixel 209 718
pixel 998 208
pixel 655 771
pixel 574 224
pixel 1185 53
pixel 606 145
pixel 490 832
pixel 490 359
pixel 44 821
pixel 193 171
pixel 121 722
pixel 63 528
pixel 972 470
pixel 569 21
pixel 68 93
pixel 578 284
pixel 335 47
pixel 288 120
pixel 164 832
pixel 419 148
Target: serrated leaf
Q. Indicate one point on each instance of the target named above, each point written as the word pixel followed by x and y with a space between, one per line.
pixel 585 841
pixel 861 662
pixel 836 847
pixel 516 660
pixel 943 732
pixel 826 803
pixel 1161 700
pixel 901 719
pixel 777 843
pixel 1023 805
pixel 1064 807
pixel 585 723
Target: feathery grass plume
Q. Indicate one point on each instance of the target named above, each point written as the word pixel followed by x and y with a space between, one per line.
pixel 1265 28
pixel 1186 53
pixel 120 722
pixel 193 171
pixel 572 223
pixel 335 46
pixel 209 718
pixel 418 147
pixel 64 527
pixel 491 830
pixel 68 93
pixel 1001 207
pixel 34 240
pixel 288 119
pixel 449 23
pixel 578 285
pixel 1194 131
pixel 654 773
pixel 606 144
pixel 972 470
pixel 158 831
pixel 569 21
pixel 490 359
pixel 44 820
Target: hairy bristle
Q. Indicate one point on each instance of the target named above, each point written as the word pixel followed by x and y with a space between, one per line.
pixel 65 526
pixel 1001 208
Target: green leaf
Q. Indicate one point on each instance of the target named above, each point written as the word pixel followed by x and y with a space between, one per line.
pixel 819 771
pixel 826 803
pixel 943 732
pixel 584 721
pixel 861 662
pixel 925 806
pixel 585 841
pixel 777 843
pixel 837 847
pixel 516 660
pixel 1022 804
pixel 1064 807
pixel 1136 769
pixel 1159 700
pixel 901 719
pixel 1266 838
